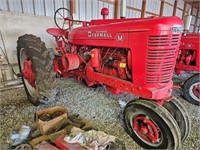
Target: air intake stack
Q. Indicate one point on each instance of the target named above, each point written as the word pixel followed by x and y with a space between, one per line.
pixel 187 21
pixel 123 9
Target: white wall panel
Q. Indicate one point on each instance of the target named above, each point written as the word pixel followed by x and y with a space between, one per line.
pixel 100 6
pixel 39 7
pixel 82 10
pixel 60 3
pixel 95 7
pixel 194 12
pixel 88 10
pixel 170 1
pixel 49 8
pixel 179 13
pixel 128 13
pixel 132 13
pixel 168 10
pixel 134 3
pixel 153 6
pixel 191 28
pixel 105 5
pixel 111 11
pixel 136 14
pixel 181 4
pixel 128 2
pixel 193 20
pixel 198 22
pixel 3 5
pixel 28 6
pixel 15 5
pixel 91 9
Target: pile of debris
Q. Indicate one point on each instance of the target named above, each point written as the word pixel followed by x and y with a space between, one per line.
pixel 54 130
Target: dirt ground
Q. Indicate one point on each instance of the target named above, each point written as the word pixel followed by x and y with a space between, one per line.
pixel 98 105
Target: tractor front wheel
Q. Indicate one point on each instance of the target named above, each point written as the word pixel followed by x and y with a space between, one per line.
pixel 151 125
pixel 191 89
pixel 36 68
pixel 179 112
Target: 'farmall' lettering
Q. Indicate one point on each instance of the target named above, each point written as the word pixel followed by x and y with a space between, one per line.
pixel 99 34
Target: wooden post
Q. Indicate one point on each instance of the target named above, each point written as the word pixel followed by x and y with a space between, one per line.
pixel 143 8
pixel 72 7
pixel 117 6
pixel 192 9
pixel 175 7
pixel 196 20
pixel 162 5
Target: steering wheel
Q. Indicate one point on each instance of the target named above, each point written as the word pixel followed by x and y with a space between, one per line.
pixel 65 14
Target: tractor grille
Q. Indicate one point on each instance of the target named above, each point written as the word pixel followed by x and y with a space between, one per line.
pixel 161 57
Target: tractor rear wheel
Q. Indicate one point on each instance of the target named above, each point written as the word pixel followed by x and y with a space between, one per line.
pixel 151 125
pixel 191 89
pixel 179 112
pixel 36 69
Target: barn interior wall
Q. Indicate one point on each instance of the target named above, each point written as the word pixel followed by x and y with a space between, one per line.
pixel 14 25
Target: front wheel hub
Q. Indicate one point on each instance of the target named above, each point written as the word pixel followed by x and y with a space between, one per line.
pixel 195 91
pixel 28 73
pixel 146 129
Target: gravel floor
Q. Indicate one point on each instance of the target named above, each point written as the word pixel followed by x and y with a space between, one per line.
pixel 98 105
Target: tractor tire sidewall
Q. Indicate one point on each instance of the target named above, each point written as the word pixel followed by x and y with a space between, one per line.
pixel 168 127
pixel 180 114
pixel 42 65
pixel 186 86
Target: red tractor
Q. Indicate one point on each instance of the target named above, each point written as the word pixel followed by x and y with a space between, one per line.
pixel 188 60
pixel 132 55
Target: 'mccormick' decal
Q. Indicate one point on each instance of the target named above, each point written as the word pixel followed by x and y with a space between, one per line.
pixel 99 34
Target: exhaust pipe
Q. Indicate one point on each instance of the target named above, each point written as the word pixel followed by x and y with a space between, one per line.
pixel 123 9
pixel 187 21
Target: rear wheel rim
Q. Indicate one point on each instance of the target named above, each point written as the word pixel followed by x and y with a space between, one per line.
pixel 194 91
pixel 146 129
pixel 29 83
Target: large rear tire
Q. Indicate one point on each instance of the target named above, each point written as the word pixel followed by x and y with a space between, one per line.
pixel 36 67
pixel 191 89
pixel 151 125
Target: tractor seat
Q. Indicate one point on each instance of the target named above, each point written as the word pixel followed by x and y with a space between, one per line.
pixel 56 32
